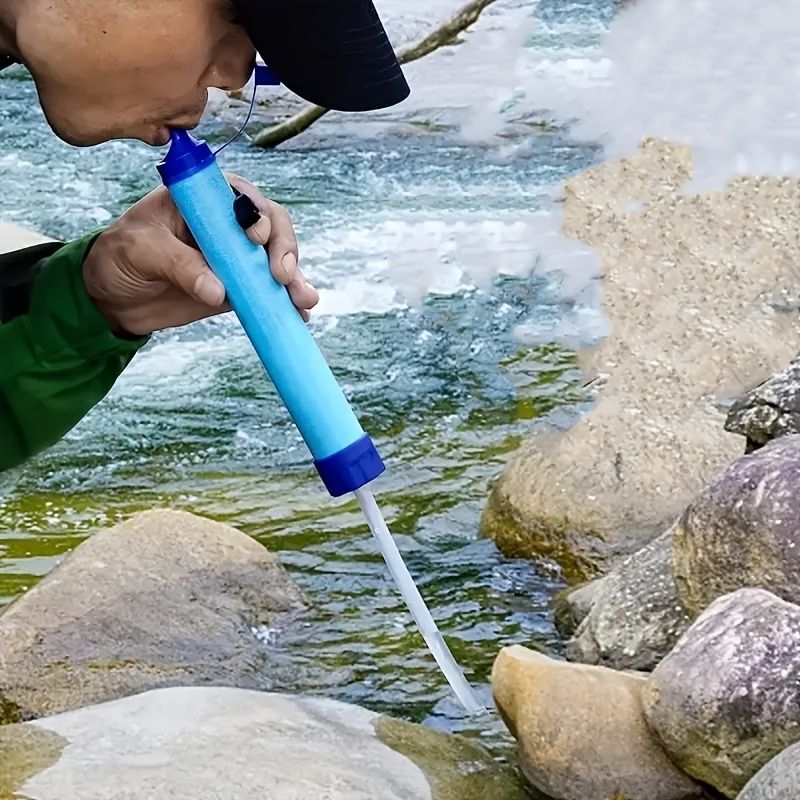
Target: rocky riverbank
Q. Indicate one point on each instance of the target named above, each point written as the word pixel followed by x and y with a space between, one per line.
pixel 679 493
pixel 701 294
pixel 146 649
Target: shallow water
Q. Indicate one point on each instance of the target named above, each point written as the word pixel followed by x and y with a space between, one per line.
pixel 427 252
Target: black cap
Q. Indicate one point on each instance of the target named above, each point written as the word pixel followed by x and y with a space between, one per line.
pixel 334 53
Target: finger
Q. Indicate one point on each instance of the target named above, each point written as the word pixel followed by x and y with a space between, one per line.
pixel 282 246
pixel 252 210
pixel 303 294
pixel 285 271
pixel 274 231
pixel 185 268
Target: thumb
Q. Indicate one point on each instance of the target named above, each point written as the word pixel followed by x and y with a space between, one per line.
pixel 187 270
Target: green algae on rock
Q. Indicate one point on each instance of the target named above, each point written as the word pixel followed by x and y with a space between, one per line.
pixel 456 768
pixel 24 752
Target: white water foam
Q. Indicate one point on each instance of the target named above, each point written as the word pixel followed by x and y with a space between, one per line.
pixel 718 76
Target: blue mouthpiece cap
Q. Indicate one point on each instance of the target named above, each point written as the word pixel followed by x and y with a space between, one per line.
pixel 264 76
pixel 185 157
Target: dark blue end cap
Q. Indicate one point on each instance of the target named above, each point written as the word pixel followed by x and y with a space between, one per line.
pixel 351 468
pixel 186 156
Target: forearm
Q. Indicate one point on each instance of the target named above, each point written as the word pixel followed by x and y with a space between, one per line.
pixel 57 360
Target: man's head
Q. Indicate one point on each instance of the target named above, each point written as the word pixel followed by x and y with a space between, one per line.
pixel 108 69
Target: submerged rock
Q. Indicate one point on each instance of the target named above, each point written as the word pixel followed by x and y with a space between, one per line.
pixel 778 780
pixel 636 617
pixel 164 599
pixel 209 743
pixel 581 731
pixel 743 530
pixel 572 605
pixel 726 700
pixel 690 287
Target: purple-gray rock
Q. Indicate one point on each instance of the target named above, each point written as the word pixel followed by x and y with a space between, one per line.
pixel 743 530
pixel 726 700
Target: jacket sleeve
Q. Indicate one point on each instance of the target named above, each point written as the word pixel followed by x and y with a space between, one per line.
pixel 57 360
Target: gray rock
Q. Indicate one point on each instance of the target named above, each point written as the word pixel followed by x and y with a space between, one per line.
pixel 213 743
pixel 770 410
pixel 572 605
pixel 743 530
pixel 778 780
pixel 581 731
pixel 636 617
pixel 164 599
pixel 726 700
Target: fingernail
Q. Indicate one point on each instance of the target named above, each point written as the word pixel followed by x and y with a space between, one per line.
pixel 289 264
pixel 208 290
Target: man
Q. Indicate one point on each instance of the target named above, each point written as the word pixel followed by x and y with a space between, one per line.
pixel 74 315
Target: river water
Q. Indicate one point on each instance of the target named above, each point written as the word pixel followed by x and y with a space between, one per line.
pixel 435 247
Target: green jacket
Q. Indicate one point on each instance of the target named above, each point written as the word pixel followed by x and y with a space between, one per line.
pixel 58 357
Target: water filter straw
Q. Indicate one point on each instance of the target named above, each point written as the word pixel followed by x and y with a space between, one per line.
pixel 344 454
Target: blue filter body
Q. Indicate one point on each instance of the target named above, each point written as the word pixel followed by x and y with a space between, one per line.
pixel 344 455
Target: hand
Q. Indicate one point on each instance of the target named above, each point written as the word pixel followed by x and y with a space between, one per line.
pixel 145 274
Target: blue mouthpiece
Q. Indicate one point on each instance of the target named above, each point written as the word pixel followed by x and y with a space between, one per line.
pixel 186 157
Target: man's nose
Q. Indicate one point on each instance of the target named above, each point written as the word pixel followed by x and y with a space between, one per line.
pixel 232 71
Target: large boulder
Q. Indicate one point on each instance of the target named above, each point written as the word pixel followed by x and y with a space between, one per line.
pixel 581 731
pixel 778 780
pixel 209 743
pixel 636 616
pixel 725 700
pixel 743 530
pixel 691 284
pixel 164 599
pixel 770 410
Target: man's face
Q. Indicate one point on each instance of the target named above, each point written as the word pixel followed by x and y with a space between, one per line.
pixel 114 69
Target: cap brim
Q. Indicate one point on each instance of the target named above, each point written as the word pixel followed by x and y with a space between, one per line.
pixel 334 53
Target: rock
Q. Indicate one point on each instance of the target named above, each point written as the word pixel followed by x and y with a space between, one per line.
pixel 770 410
pixel 13 237
pixel 209 743
pixel 743 530
pixel 164 599
pixel 581 731
pixel 691 288
pixel 637 616
pixel 727 699
pixel 778 780
pixel 572 605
